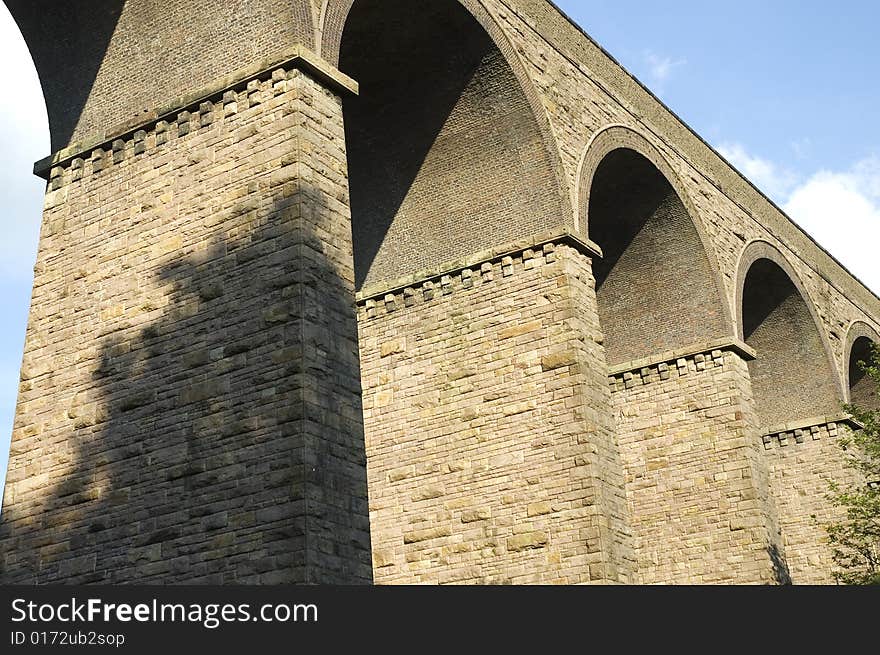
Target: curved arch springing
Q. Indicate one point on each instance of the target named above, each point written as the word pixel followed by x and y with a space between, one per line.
pixel 656 287
pixel 861 341
pixel 446 156
pixel 793 377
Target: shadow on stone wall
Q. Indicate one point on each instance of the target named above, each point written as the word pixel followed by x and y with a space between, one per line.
pixel 768 287
pixel 780 566
pixel 863 391
pixel 217 424
pixel 792 377
pixel 655 269
pixel 410 85
pixel 441 139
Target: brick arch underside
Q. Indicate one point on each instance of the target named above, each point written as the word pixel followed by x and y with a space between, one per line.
pixel 446 157
pixel 115 61
pixel 791 378
pixel 862 389
pixel 655 287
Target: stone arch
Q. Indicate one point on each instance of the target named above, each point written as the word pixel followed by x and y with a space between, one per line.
pixel 321 7
pixel 794 376
pixel 658 286
pixel 860 388
pixel 447 153
pixel 307 13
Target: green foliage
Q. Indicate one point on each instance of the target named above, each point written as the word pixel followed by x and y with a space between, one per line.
pixel 855 539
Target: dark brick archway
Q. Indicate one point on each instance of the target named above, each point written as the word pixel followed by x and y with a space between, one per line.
pixel 446 157
pixel 655 271
pixel 860 342
pixel 793 377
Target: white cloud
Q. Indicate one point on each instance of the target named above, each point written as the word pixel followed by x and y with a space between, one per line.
pixel 777 182
pixel 839 209
pixel 661 67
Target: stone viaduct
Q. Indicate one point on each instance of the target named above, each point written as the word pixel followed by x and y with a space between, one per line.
pixel 338 291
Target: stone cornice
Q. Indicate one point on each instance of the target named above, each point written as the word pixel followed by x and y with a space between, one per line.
pixel 527 249
pixel 297 57
pixel 726 343
pixel 662 366
pixel 812 429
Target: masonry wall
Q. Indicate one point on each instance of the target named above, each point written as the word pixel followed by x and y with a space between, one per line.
pixel 696 479
pixel 491 453
pixel 584 92
pixel 85 56
pixel 802 462
pixel 190 401
pixel 189 408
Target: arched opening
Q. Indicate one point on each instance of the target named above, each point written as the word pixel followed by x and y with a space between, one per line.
pixel 655 287
pixel 792 378
pixel 862 388
pixel 445 154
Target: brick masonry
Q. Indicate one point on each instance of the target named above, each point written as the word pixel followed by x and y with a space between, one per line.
pixel 654 269
pixel 474 156
pixel 191 405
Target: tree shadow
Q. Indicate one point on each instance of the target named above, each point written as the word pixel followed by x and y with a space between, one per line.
pixel 227 446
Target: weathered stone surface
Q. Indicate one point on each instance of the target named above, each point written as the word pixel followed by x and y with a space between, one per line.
pixel 464 457
pixel 799 472
pixel 528 541
pixel 695 467
pixel 214 408
pixel 427 534
pixel 575 327
pixel 558 360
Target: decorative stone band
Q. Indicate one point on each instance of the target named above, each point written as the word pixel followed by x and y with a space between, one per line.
pixel 812 429
pixel 478 269
pixel 676 363
pixel 223 97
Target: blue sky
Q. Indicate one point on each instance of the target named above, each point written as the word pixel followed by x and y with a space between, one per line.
pixel 786 90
